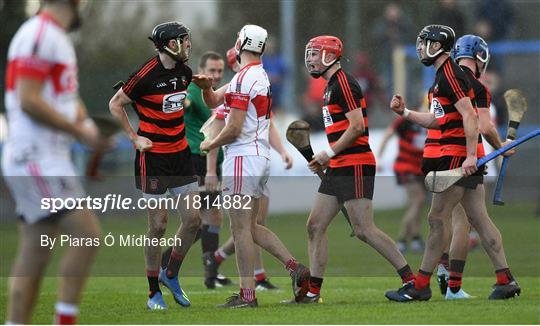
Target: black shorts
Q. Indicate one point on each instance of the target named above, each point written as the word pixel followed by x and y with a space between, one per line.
pixel 453 162
pixel 157 172
pixel 199 166
pixel 407 177
pixel 429 164
pixel 349 182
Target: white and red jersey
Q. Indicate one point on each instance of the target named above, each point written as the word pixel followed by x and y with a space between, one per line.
pixel 249 90
pixel 41 50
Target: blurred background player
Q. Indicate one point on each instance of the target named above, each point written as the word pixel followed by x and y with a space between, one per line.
pixel 452 111
pixel 277 71
pixel 45 114
pixel 246 167
pixel 407 168
pixel 349 166
pixel 163 159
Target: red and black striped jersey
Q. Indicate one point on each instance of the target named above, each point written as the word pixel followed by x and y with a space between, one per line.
pixel 343 94
pixel 159 96
pixel 482 100
pixel 451 85
pixel 411 139
pixel 432 147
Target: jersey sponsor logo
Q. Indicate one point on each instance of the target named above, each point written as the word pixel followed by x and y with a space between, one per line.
pixel 436 108
pixel 26 155
pixel 327 118
pixel 162 84
pixel 239 97
pixel 64 78
pixel 154 184
pixel 174 102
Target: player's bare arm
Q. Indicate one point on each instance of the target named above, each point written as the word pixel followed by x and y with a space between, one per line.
pixel 82 112
pixel 211 179
pixel 489 131
pixel 33 104
pixel 212 98
pixel 355 129
pixel 470 125
pixel 388 133
pixel 276 144
pixel 116 106
pixel 232 130
pixel 424 119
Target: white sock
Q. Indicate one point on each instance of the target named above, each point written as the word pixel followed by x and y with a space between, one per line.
pixel 222 253
pixel 68 309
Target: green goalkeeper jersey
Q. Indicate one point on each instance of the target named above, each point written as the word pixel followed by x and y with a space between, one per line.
pixel 195 115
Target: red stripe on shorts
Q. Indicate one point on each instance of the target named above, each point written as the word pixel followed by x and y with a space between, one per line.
pixel 142 167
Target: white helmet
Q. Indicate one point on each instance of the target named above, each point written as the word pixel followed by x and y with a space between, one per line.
pixel 252 38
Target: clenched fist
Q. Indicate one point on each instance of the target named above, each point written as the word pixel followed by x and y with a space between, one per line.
pixel 397 104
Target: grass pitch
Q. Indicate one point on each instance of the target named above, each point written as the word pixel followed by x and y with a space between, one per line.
pixel 353 288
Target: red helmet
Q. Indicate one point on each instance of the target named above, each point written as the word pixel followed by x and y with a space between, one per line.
pixel 231 57
pixel 324 45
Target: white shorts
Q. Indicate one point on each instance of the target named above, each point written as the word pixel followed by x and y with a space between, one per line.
pixel 32 182
pixel 246 175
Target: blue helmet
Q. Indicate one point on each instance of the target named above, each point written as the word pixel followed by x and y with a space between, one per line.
pixel 471 46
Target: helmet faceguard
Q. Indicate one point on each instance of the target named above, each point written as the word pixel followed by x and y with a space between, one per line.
pixel 183 53
pixel 163 33
pixel 434 33
pixel 472 47
pixel 322 47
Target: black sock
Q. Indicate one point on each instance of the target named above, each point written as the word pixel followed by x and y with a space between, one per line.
pixel 406 274
pixel 456 274
pixel 504 276
pixel 315 285
pixel 209 238
pixel 444 260
pixel 174 264
pixel 197 236
pixel 153 284
pixel 165 257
